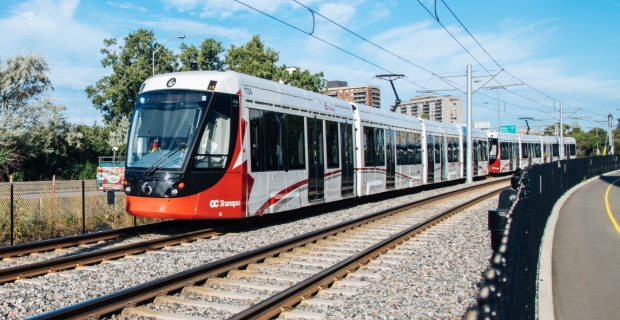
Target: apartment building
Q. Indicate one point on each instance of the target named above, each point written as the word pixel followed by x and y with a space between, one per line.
pixel 364 94
pixel 433 107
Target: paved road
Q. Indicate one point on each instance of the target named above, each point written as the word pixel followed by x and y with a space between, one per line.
pixel 586 253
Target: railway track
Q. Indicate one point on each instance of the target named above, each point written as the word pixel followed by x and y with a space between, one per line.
pixel 279 276
pixel 83 260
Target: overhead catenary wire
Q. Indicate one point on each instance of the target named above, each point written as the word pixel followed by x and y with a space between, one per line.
pixel 497 63
pixel 450 83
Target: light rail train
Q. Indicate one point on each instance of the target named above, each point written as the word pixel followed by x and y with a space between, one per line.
pixel 224 145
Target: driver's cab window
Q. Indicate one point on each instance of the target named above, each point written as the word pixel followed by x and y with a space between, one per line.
pixel 213 147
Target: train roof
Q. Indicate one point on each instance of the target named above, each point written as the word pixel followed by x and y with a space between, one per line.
pixel 261 91
pixel 530 138
pixel 476 133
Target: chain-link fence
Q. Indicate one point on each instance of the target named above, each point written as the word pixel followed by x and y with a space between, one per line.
pixel 509 290
pixel 34 211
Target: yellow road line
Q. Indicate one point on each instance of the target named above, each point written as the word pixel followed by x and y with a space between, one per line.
pixel 611 216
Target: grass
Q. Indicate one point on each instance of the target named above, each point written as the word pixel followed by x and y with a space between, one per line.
pixel 43 215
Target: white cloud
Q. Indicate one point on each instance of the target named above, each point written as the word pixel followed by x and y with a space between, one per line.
pixel 339 12
pixel 183 25
pixel 127 6
pixel 222 9
pixel 49 27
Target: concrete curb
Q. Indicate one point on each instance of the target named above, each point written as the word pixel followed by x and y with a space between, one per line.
pixel 544 303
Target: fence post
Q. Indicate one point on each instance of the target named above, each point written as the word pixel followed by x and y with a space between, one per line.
pixel 12 217
pixel 83 209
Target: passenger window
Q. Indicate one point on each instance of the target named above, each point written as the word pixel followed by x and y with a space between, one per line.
pixel 333 150
pixel 369 147
pixel 417 147
pixel 295 137
pixel 274 127
pixel 255 140
pixel 380 147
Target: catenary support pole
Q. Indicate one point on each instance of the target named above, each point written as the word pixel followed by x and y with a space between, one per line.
pixel 561 145
pixel 12 216
pixel 468 159
pixel 83 208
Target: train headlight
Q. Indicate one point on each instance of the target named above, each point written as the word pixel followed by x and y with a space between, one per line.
pixel 128 189
pixel 174 192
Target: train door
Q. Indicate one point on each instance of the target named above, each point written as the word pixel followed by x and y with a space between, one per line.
pixel 346 141
pixel 316 167
pixel 443 151
pixel 430 148
pixel 390 178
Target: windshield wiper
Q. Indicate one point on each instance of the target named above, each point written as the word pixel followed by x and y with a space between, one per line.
pixel 157 163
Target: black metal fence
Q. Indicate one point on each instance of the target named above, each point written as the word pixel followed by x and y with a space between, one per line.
pixel 34 211
pixel 509 290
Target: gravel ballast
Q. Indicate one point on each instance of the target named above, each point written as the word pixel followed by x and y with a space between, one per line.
pixel 445 265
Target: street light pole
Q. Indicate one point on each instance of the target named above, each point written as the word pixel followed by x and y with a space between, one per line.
pixel 155 51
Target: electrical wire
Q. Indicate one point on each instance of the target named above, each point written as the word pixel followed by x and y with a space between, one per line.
pixel 489 55
pixel 449 82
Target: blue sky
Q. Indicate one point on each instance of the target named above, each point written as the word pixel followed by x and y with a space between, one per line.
pixel 565 51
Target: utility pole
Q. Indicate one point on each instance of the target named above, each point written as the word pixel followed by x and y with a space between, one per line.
pixel 499 124
pixel 470 145
pixel 561 132
pixel 610 131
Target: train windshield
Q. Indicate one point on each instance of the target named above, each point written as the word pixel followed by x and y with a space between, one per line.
pixel 164 127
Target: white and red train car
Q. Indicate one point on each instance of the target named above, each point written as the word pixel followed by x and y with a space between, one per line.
pixel 510 151
pixel 224 145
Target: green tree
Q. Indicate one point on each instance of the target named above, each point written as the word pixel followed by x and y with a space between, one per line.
pixel 207 57
pixel 303 79
pixel 30 121
pixel 255 59
pixel 115 95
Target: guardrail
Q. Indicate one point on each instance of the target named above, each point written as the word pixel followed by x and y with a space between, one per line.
pixel 41 210
pixel 510 286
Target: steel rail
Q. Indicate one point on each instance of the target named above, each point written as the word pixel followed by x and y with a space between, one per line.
pixel 53 265
pixel 285 300
pixel 114 302
pixel 65 242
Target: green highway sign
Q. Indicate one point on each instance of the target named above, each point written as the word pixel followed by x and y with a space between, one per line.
pixel 511 128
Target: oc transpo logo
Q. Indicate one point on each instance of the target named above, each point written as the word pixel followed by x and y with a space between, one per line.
pixel 223 203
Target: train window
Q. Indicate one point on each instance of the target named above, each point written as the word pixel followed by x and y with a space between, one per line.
pixel 537 150
pixel 401 147
pixel 437 152
pixel 485 150
pixel 273 131
pixel 214 144
pixel 411 148
pixel 417 149
pixel 430 149
pixel 333 149
pixel 556 150
pixel 504 149
pixel 369 146
pixel 380 147
pixel 456 149
pixel 346 140
pixel 450 155
pixel 255 140
pixel 295 137
pixel 493 150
